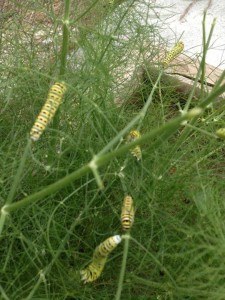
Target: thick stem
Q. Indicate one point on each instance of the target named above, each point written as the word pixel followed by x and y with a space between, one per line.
pixel 64 51
pixel 14 187
pixel 3 293
pixel 18 175
pixel 201 69
pixel 217 91
pixel 204 55
pixel 52 188
pixel 65 42
pixel 138 119
pixel 205 49
pixel 123 267
pixel 151 284
pixel 100 160
pixel 2 219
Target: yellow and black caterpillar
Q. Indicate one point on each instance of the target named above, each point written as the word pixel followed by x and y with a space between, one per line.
pixel 127 213
pixel 221 133
pixel 94 269
pixel 107 246
pixel 177 49
pixel 48 111
pixel 132 136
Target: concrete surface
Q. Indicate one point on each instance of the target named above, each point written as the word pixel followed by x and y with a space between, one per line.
pixel 183 19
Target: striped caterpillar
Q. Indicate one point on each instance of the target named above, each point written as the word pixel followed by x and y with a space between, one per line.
pixel 48 111
pixel 127 213
pixel 132 136
pixel 172 54
pixel 94 269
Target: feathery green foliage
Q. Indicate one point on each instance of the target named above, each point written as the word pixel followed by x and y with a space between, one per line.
pixel 62 195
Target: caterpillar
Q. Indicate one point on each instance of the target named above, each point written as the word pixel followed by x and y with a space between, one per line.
pixel 127 213
pixel 132 136
pixel 172 54
pixel 48 111
pixel 107 247
pixel 221 133
pixel 94 269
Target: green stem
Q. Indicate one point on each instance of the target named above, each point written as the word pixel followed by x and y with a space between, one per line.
pixel 123 267
pixel 3 294
pixel 36 286
pixel 18 175
pixel 219 81
pixel 156 261
pixel 216 92
pixel 52 188
pixel 2 219
pixel 212 135
pixel 140 116
pixel 98 160
pixel 144 110
pixel 64 51
pixel 201 67
pixel 85 12
pixel 65 41
pixel 152 284
pixel 211 97
pixel 204 55
pixel 15 184
pixel 116 29
pixel 47 269
pixel 164 287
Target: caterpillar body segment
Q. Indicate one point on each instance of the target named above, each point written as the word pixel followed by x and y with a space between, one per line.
pixel 127 213
pixel 221 133
pixel 93 271
pixel 136 152
pixel 133 135
pixel 106 247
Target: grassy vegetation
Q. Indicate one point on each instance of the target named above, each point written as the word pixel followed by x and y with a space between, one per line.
pixel 57 213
